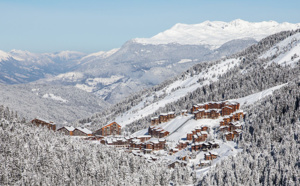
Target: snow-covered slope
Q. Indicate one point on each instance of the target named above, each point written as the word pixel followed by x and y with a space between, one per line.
pixel 216 33
pixel 175 91
pixel 287 52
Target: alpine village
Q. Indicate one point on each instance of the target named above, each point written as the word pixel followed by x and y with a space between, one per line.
pixel 192 140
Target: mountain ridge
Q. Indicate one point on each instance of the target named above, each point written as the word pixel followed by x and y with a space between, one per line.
pixel 201 33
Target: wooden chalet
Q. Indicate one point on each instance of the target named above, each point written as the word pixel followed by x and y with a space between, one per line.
pixel 171 115
pixel 184 112
pixel 80 131
pixel 163 134
pixel 44 123
pixel 210 156
pixel 227 110
pixel 177 163
pixel 204 163
pixel 154 121
pixel 66 130
pixel 143 138
pixel 229 136
pixel 110 129
pixel 163 118
pixel 224 128
pixel 233 126
pixel 189 136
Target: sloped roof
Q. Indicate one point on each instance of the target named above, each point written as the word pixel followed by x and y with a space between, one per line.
pixel 68 128
pixel 84 130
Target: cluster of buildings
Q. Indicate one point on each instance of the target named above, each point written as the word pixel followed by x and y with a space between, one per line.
pixel 198 134
pixel 78 131
pixel 204 146
pixel 162 118
pixel 210 156
pixel 110 129
pixel 145 143
pixel 213 110
pixel 157 132
pixel 155 140
pixel 231 125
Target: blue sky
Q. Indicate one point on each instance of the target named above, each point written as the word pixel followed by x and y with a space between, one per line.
pixel 95 25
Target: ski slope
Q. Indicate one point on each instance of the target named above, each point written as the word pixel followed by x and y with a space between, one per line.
pixel 175 91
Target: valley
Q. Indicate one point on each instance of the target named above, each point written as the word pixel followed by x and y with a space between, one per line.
pixel 155 112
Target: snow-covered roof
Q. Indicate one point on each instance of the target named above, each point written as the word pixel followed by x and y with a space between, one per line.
pixel 163 114
pixel 69 128
pixel 156 141
pixel 47 121
pixel 238 130
pixel 135 140
pixel 85 130
pixel 214 153
pixel 203 132
pixel 171 113
pixel 144 136
pixel 109 140
pixel 223 127
pixel 205 161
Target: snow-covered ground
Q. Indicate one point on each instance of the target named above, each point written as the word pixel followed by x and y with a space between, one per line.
pixel 182 86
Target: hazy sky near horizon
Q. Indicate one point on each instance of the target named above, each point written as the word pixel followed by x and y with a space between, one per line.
pixel 96 25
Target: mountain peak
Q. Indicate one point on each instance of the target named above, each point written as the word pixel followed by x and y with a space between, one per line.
pixel 212 33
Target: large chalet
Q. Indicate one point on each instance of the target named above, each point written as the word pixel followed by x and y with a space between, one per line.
pixel 44 123
pixel 66 130
pixel 213 110
pixel 110 129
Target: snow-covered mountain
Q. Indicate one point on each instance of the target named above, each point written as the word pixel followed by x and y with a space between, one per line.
pixel 142 63
pixel 264 79
pixel 19 66
pixel 215 33
pixel 275 52
pixel 139 63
